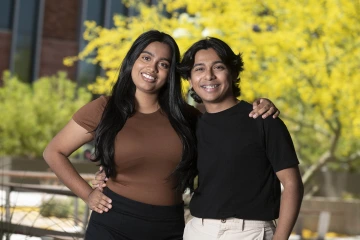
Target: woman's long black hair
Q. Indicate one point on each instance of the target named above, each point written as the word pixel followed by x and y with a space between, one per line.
pixel 121 106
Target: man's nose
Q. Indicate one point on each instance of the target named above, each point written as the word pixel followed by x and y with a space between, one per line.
pixel 209 74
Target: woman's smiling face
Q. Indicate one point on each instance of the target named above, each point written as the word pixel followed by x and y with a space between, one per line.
pixel 151 68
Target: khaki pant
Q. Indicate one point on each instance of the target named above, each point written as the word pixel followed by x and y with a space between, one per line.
pixel 228 229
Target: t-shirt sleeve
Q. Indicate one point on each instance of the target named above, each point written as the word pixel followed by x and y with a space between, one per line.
pixel 279 145
pixel 90 114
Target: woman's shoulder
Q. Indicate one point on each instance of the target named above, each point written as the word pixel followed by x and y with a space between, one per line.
pixel 90 114
pixel 97 105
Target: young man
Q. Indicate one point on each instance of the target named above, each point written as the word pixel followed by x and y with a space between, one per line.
pixel 241 160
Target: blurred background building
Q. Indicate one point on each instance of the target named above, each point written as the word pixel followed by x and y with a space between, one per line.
pixel 36 35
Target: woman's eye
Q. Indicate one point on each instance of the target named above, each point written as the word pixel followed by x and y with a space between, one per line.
pixel 198 69
pixel 146 58
pixel 165 65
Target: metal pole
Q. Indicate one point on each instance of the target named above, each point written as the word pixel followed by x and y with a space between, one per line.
pixel 76 211
pixel 7 210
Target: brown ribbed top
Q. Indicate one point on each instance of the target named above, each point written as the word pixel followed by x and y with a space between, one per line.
pixel 147 150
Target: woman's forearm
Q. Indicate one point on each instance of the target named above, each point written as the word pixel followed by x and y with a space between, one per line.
pixel 67 174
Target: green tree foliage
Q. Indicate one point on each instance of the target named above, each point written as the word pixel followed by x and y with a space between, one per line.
pixel 31 115
pixel 303 55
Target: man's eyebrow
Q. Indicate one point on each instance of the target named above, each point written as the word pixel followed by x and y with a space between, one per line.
pixel 198 64
pixel 151 54
pixel 202 64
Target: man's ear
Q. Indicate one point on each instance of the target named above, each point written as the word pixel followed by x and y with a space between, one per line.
pixel 234 77
pixel 189 80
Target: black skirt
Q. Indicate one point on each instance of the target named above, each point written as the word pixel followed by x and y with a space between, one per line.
pixel 132 220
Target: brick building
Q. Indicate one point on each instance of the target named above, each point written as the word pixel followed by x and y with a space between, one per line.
pixel 36 35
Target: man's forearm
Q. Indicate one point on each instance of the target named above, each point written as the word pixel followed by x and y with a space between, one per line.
pixel 289 210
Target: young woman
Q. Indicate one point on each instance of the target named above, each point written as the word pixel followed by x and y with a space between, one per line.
pixel 144 136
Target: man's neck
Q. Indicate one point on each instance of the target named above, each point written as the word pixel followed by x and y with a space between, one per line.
pixel 221 106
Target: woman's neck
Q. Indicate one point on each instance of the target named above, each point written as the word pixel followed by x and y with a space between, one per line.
pixel 146 103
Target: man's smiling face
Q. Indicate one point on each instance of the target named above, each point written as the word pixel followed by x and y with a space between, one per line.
pixel 211 78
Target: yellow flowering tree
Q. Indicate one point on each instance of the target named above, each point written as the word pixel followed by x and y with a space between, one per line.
pixel 303 55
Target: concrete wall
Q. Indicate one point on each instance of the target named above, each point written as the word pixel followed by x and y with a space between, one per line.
pixel 345 214
pixel 39 165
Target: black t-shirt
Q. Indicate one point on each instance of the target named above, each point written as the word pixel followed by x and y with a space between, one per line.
pixel 238 157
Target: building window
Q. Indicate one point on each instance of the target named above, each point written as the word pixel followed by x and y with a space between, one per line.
pixel 24 38
pixel 92 10
pixel 102 12
pixel 6 9
pixel 112 8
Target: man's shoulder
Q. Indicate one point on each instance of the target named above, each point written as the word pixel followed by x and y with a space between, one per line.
pixel 245 106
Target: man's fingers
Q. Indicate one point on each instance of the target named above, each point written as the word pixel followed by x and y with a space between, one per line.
pixel 94 182
pixel 101 176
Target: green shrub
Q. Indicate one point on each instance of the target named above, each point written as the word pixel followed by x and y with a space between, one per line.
pixel 56 208
pixel 62 208
pixel 31 114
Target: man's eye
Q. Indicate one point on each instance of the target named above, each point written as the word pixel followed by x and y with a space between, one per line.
pixel 221 67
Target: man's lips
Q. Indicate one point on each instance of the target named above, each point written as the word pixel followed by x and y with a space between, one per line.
pixel 210 87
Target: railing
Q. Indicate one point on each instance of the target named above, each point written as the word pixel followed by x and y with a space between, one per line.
pixel 7 228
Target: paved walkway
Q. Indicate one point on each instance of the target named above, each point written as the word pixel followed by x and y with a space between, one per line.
pixel 27 213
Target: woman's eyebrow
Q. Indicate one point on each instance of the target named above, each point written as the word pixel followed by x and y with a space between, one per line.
pixel 151 54
pixel 148 53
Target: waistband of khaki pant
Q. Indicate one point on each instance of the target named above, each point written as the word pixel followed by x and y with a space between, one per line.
pixel 237 221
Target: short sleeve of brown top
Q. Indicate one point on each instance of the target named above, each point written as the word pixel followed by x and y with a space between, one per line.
pixel 147 150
